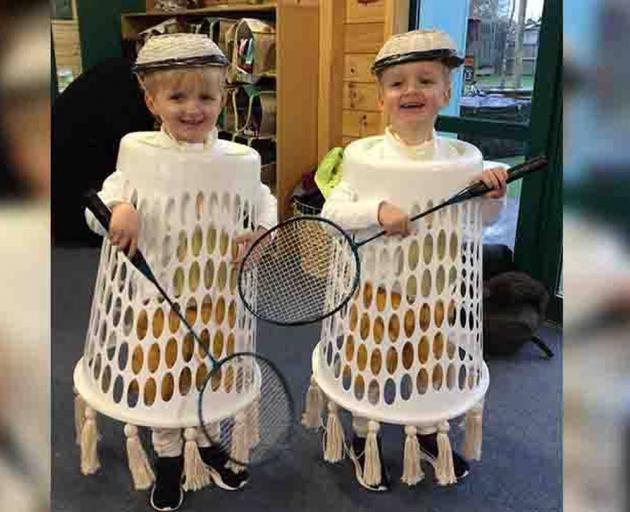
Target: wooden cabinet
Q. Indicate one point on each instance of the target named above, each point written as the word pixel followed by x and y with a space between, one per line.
pixel 296 76
pixel 351 34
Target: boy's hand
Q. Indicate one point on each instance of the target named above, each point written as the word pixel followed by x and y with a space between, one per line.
pixel 244 241
pixel 495 179
pixel 123 228
pixel 393 219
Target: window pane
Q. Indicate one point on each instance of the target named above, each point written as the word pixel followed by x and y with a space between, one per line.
pixel 501 50
pixel 509 152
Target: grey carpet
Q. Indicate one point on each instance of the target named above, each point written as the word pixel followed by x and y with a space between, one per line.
pixel 521 470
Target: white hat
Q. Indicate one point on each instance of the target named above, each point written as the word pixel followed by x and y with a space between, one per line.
pixel 179 50
pixel 417 45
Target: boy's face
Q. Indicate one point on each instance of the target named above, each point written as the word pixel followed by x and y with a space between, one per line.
pixel 188 109
pixel 413 93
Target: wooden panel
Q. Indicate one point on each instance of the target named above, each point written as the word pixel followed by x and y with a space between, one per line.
pixel 357 67
pixel 361 124
pixel 361 12
pixel 363 37
pixel 396 21
pixel 297 90
pixel 358 96
pixel 329 107
pixel 67 45
pixel 347 140
pixel 396 17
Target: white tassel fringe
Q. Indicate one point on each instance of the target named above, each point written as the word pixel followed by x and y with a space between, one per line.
pixel 474 433
pixel 412 470
pixel 312 415
pixel 444 471
pixel 253 424
pixel 372 464
pixel 333 445
pixel 196 474
pixel 89 439
pixel 79 416
pixel 139 466
pixel 239 449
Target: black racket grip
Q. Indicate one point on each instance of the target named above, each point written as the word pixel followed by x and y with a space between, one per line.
pixel 104 215
pixel 515 173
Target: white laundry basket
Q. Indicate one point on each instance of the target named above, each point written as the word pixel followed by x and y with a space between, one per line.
pixel 407 348
pixel 140 364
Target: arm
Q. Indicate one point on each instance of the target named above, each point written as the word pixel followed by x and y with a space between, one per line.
pixel 344 208
pixel 267 218
pixel 268 208
pixel 491 210
pixel 124 224
pixel 494 201
pixel 110 194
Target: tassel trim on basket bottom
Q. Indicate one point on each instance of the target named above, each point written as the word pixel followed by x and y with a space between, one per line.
pixel 139 466
pixel 196 474
pixel 333 436
pixel 89 440
pixel 372 464
pixel 474 433
pixel 444 470
pixel 312 415
pixel 412 469
pixel 253 423
pixel 79 416
pixel 239 449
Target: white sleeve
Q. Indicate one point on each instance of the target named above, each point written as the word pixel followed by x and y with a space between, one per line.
pixel 491 209
pixel 267 207
pixel 344 208
pixel 110 194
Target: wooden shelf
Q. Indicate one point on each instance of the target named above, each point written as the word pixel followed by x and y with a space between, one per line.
pixel 296 78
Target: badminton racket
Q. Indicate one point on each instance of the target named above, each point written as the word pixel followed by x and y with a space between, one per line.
pixel 295 264
pixel 262 428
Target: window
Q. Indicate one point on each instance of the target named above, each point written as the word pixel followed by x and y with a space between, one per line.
pixel 498 106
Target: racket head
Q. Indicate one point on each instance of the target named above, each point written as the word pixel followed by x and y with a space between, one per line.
pixel 262 429
pixel 291 267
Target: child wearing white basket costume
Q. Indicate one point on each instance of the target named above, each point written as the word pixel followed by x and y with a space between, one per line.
pixel 378 184
pixel 186 196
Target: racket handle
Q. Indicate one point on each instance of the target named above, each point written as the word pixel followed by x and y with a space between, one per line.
pixel 514 173
pixel 475 190
pixel 104 215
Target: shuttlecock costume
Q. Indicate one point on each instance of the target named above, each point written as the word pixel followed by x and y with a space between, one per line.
pixel 407 349
pixel 140 364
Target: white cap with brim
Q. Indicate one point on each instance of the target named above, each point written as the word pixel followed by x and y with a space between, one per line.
pixel 417 45
pixel 179 50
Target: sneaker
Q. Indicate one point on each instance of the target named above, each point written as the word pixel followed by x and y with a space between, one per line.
pixel 167 493
pixel 429 448
pixel 357 455
pixel 220 471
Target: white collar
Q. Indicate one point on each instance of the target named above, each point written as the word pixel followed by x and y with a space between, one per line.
pixel 395 146
pixel 165 139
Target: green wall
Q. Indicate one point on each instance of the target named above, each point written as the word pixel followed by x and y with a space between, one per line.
pixel 99 28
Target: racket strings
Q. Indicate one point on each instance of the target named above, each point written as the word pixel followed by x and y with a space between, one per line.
pixel 264 424
pixel 301 272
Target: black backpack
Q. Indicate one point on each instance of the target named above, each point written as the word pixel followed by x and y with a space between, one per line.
pixel 514 307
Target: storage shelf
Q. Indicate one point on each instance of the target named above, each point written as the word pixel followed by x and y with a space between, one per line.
pixel 295 79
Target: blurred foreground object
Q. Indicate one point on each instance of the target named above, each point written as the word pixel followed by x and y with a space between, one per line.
pixel 25 264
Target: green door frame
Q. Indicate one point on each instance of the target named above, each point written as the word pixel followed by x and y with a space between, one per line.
pixel 100 29
pixel 538 245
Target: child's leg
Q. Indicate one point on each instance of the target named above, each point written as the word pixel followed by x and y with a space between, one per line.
pixel 167 493
pixel 360 426
pixel 167 442
pixel 369 470
pixel 225 474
